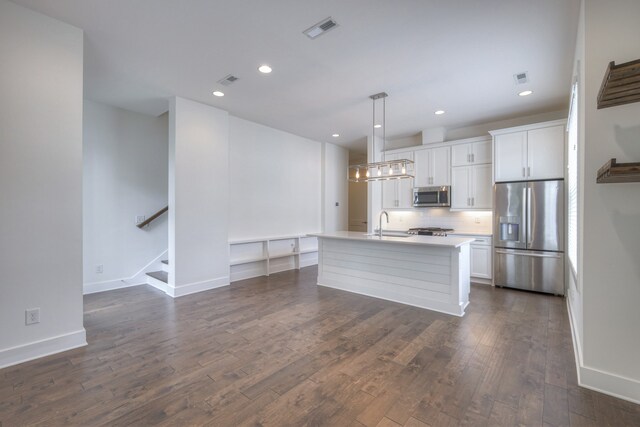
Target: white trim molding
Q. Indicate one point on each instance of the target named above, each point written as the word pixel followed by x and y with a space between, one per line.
pixel 139 278
pixel 601 381
pixel 37 349
pixel 192 288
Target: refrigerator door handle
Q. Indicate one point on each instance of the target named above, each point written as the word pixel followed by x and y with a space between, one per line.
pixel 525 218
pixel 528 203
pixel 537 255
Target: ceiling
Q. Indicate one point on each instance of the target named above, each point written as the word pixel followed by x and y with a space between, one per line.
pixel 459 56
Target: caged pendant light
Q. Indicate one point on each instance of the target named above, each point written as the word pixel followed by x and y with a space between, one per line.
pixel 380 171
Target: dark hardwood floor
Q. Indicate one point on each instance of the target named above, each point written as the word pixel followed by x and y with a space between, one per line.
pixel 280 351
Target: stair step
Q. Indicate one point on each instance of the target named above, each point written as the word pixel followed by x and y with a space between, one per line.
pixel 163 276
pixel 165 261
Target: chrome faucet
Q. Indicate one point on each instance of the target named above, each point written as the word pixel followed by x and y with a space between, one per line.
pixel 380 222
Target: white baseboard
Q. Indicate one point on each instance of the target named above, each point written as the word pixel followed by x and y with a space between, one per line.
pixel 190 288
pixel 597 380
pixel 109 285
pixel 139 278
pixel 34 350
pixel 158 284
pixel 611 384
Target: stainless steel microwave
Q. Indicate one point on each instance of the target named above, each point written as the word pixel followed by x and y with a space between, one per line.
pixel 432 197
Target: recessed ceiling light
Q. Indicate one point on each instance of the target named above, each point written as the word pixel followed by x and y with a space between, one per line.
pixel 335 135
pixel 217 93
pixel 439 112
pixel 265 69
pixel 525 93
pixel 377 126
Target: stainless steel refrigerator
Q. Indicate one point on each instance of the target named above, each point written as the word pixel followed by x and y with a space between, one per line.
pixel 529 235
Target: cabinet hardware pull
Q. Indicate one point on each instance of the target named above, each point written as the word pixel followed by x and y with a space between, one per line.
pixel 473 201
pixel 473 158
pixel 528 170
pixel 523 172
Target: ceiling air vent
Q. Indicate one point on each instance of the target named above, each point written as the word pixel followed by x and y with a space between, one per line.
pixel 320 28
pixel 521 78
pixel 227 80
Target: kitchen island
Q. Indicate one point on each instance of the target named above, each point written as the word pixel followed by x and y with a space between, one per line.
pixel 423 271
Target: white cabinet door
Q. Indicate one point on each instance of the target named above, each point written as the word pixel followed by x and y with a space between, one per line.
pixel 510 156
pixel 389 194
pixel 481 152
pixel 482 194
pixel 460 189
pixel 397 193
pixel 440 166
pixel 405 185
pixel 405 192
pixel 422 168
pixel 545 149
pixel 389 188
pixel 481 261
pixel 460 155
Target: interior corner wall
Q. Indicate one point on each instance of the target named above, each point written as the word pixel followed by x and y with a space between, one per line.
pixel 574 286
pixel 125 175
pixel 275 182
pixel 611 214
pixel 40 184
pixel 335 203
pixel 198 197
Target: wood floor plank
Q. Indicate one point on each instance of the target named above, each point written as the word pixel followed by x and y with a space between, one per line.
pixel 279 351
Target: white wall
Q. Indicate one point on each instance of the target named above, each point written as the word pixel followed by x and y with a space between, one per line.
pixel 198 197
pixel 460 221
pixel 40 184
pixel 484 128
pixel 335 161
pixel 125 175
pixel 275 182
pixel 574 287
pixel 611 215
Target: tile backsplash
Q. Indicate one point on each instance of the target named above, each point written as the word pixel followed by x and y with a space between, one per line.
pixel 465 221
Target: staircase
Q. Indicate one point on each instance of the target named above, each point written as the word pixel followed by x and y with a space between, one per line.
pixel 159 279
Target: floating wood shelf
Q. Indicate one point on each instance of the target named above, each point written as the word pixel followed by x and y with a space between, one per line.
pixel 618 172
pixel 621 84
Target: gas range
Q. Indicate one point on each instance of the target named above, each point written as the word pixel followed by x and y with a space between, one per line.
pixel 430 231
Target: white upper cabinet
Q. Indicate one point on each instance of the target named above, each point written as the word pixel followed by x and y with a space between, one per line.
pixel 433 167
pixel 545 151
pixel 510 156
pixel 478 152
pixel 460 187
pixel 471 187
pixel 482 196
pixel 529 152
pixel 397 193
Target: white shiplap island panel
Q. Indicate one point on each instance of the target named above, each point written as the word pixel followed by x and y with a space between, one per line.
pixel 427 272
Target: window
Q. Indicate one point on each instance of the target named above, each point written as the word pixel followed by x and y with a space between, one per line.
pixel 572 160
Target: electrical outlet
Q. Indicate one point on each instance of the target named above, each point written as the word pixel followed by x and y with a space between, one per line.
pixel 337 203
pixel 477 220
pixel 31 316
pixel 139 219
pixel 99 268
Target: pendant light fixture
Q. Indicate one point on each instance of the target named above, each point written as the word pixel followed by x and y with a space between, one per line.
pixel 379 171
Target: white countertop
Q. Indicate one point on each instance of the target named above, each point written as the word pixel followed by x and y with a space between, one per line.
pixel 443 242
pixel 471 233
